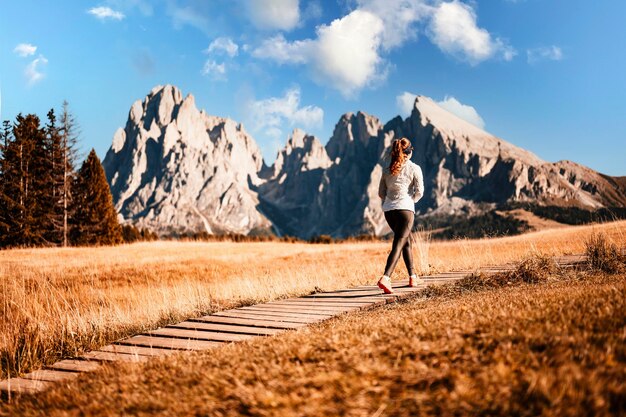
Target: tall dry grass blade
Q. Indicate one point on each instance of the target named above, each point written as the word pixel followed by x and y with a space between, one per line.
pixel 420 244
pixel 603 254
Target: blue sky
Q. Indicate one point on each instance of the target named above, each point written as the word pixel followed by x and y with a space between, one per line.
pixel 546 75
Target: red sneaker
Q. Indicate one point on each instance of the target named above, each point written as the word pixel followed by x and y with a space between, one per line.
pixel 414 281
pixel 385 284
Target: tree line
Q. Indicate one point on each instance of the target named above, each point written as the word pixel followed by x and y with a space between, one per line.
pixel 44 200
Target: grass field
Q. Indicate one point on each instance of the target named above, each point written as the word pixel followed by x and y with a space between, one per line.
pixel 484 346
pixel 58 302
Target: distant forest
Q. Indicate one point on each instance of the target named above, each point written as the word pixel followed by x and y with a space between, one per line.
pixel 44 200
pixel 493 223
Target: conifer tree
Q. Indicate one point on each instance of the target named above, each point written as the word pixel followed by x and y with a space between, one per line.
pixel 40 187
pixel 59 162
pixel 5 136
pixel 69 132
pixel 48 172
pixel 95 219
pixel 21 183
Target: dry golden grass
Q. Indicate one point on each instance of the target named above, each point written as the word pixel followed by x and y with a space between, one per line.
pixel 58 302
pixel 553 347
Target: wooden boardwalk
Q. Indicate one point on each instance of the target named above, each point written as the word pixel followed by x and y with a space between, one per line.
pixel 245 323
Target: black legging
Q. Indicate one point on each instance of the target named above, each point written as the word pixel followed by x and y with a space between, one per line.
pixel 401 223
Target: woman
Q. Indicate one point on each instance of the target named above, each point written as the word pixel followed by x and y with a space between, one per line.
pixel 401 186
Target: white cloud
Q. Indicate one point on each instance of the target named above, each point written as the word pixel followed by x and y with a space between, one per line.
pixel 33 72
pixel 144 6
pixel 345 53
pixel 273 14
pixel 225 45
pixel 465 112
pixel 400 18
pixel 194 15
pixel 546 53
pixel 25 49
pixel 269 115
pixel 214 70
pixel 312 11
pixel 104 13
pixel 278 49
pixel 406 102
pixel 454 30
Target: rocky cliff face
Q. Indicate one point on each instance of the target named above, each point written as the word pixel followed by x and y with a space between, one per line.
pixel 289 195
pixel 175 169
pixel 464 165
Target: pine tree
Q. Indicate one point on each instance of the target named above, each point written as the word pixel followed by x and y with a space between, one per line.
pixel 60 142
pixel 6 137
pixel 48 172
pixel 40 186
pixel 22 159
pixel 95 219
pixel 69 136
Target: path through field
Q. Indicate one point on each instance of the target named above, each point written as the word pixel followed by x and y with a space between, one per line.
pixel 213 331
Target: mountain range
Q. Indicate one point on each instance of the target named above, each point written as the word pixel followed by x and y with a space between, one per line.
pixel 175 169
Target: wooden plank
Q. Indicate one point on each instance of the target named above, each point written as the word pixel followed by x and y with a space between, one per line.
pixel 571 258
pixel 305 309
pixel 368 301
pixel 169 343
pixel 418 287
pixel 353 290
pixel 76 365
pixel 268 316
pixel 136 350
pixel 24 386
pixel 357 301
pixel 323 303
pixel 369 291
pixel 249 322
pixel 255 331
pixel 377 292
pixel 114 357
pixel 51 375
pixel 395 284
pixel 292 310
pixel 326 311
pixel 199 335
pixel 446 277
pixel 286 315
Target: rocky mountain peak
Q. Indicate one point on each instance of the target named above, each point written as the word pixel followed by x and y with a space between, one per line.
pixel 301 153
pixel 176 169
pixel 160 105
pixel 428 112
pixel 458 134
pixel 353 132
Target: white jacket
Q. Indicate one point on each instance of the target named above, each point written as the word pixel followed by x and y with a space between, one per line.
pixel 402 191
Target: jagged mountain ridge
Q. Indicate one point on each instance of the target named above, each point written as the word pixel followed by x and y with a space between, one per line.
pixel 175 169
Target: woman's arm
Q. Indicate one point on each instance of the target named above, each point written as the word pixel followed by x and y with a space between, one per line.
pixel 382 187
pixel 418 184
